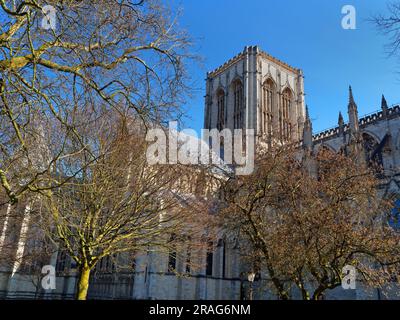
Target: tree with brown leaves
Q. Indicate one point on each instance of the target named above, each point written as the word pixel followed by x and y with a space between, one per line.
pixel 301 222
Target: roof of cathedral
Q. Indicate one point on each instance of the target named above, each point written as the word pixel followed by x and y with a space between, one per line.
pixel 242 54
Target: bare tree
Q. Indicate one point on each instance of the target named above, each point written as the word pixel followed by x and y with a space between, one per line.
pixel 108 54
pixel 389 25
pixel 301 224
pixel 118 203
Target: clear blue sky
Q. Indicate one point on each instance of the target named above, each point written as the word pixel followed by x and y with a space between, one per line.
pixel 306 34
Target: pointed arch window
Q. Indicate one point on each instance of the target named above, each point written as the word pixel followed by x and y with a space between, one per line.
pixel 61 260
pixel 285 127
pixel 172 255
pixel 223 259
pixel 188 260
pixel 267 110
pixel 221 109
pixel 324 158
pixel 209 259
pixel 238 111
pixel 373 152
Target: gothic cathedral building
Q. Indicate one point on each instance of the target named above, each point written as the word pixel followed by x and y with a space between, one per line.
pixel 253 90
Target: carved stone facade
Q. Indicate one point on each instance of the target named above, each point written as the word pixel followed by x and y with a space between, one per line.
pixel 256 91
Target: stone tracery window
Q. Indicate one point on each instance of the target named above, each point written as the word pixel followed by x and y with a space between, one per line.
pixel 221 109
pixel 209 259
pixel 61 260
pixel 373 152
pixel 172 256
pixel 285 127
pixel 238 112
pixel 267 109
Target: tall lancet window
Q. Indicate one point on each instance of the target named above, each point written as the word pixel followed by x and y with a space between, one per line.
pixel 268 100
pixel 238 112
pixel 221 109
pixel 373 152
pixel 285 128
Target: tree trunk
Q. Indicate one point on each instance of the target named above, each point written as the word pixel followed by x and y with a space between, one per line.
pixel 83 284
pixel 318 293
pixel 304 293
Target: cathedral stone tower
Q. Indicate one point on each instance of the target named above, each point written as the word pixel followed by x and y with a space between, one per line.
pixel 254 90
